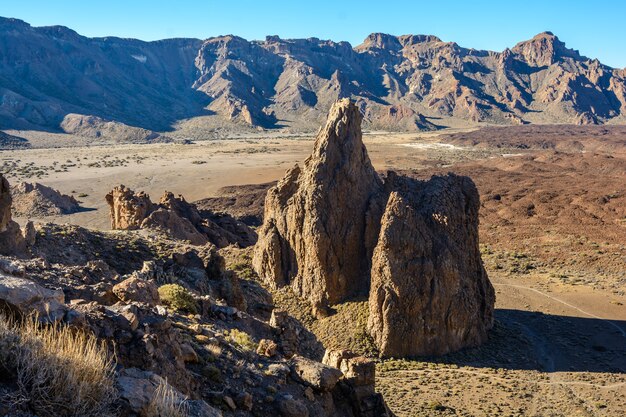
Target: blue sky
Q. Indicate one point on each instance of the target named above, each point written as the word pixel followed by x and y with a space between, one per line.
pixel 597 29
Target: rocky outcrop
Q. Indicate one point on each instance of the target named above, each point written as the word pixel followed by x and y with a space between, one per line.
pixel 178 218
pixel 318 375
pixel 12 241
pixel 128 210
pixel 333 229
pixel 34 200
pixel 321 220
pixel 221 230
pixel 23 296
pixel 358 382
pixel 429 291
pixel 5 203
pixel 177 227
pixel 137 289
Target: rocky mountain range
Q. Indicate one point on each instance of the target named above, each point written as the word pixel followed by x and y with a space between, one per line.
pixel 404 82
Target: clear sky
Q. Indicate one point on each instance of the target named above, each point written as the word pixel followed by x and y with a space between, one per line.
pixel 596 28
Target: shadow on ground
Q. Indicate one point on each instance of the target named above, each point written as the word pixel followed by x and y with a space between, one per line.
pixel 549 343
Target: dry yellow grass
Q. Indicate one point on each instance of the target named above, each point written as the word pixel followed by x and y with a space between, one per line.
pixel 59 372
pixel 166 402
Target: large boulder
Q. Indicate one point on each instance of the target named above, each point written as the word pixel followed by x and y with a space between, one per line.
pixel 23 296
pixel 12 241
pixel 429 293
pixel 316 374
pixel 321 220
pixel 137 289
pixel 128 209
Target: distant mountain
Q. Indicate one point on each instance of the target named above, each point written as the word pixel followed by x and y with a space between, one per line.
pixel 409 82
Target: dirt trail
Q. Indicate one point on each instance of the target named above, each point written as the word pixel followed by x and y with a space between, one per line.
pixel 558 300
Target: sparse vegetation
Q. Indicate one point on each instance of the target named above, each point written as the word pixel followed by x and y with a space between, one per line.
pixel 178 298
pixel 60 372
pixel 242 339
pixel 167 403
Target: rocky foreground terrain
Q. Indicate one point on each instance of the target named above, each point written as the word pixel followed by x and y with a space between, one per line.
pixel 128 90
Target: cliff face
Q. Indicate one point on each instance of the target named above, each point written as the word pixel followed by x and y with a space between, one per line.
pixel 429 293
pixel 321 221
pixel 398 82
pixel 12 241
pixel 333 230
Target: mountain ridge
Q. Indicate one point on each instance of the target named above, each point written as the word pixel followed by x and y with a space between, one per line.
pixel 406 82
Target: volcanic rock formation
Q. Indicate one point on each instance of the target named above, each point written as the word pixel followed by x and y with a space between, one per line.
pixel 429 291
pixel 11 239
pixel 321 221
pixel 128 209
pixel 180 219
pixel 332 226
pixel 34 199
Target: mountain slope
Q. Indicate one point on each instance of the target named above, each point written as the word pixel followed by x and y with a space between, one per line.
pixel 409 82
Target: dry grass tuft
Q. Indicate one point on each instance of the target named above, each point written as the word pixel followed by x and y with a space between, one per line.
pixel 59 372
pixel 166 402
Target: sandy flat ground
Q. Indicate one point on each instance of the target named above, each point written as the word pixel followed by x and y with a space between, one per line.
pixel 196 170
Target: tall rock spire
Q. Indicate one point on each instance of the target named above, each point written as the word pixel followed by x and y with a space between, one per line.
pixel 321 220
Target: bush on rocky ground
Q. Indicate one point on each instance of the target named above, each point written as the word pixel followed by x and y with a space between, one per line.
pixel 177 297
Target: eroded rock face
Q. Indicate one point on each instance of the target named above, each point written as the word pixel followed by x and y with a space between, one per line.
pixel 128 209
pixel 321 221
pixel 5 203
pixel 429 293
pixel 178 218
pixel 34 199
pixel 12 240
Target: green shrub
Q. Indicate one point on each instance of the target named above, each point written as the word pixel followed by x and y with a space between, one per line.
pixel 242 339
pixel 436 406
pixel 178 298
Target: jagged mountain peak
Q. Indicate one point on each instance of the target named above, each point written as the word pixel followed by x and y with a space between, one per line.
pixel 381 41
pixel 545 49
